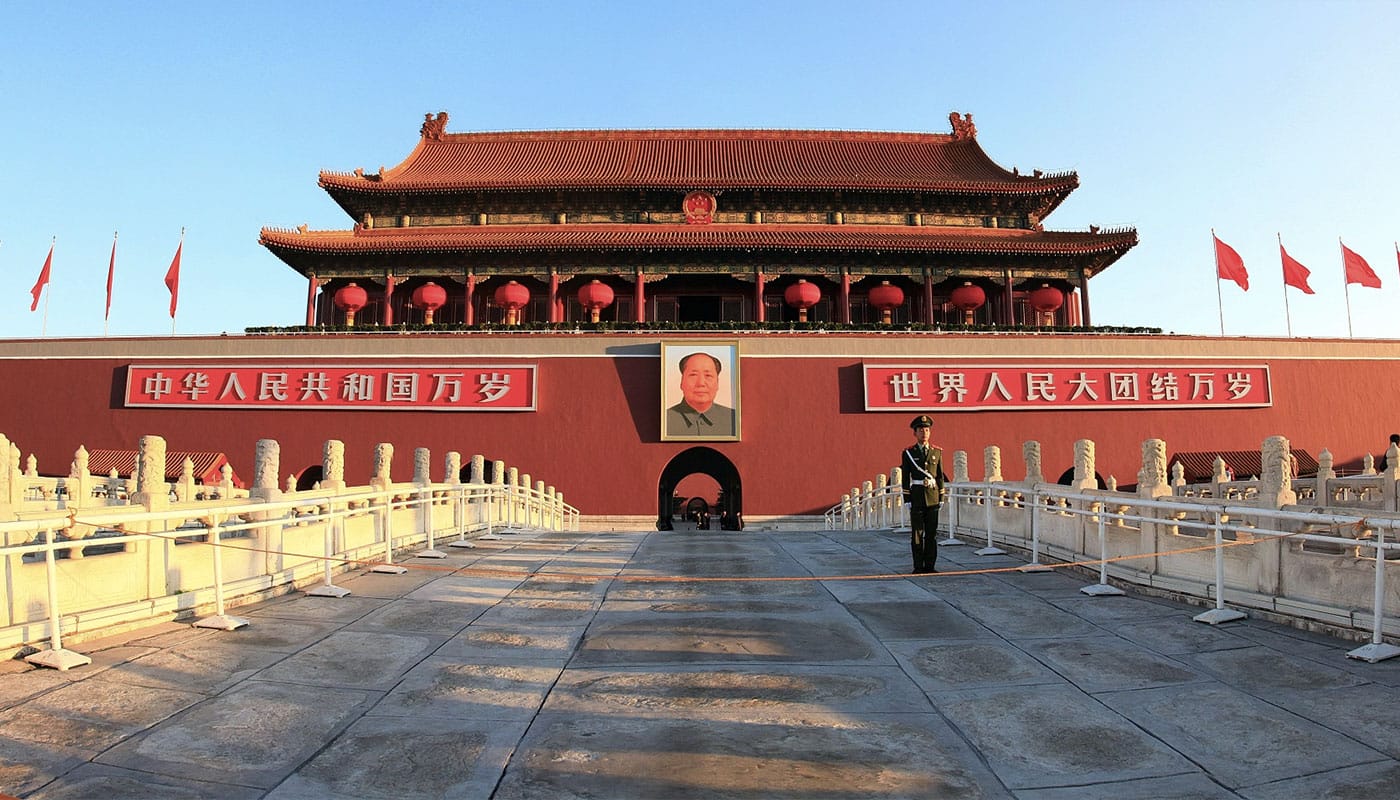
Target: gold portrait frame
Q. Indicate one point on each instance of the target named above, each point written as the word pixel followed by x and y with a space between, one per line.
pixel 721 421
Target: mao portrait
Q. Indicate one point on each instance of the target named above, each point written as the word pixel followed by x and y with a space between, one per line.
pixel 700 391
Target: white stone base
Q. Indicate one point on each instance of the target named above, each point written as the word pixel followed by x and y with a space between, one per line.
pixel 61 660
pixel 1102 590
pixel 1371 652
pixel 1216 616
pixel 389 569
pixel 222 622
pixel 328 590
pixel 430 554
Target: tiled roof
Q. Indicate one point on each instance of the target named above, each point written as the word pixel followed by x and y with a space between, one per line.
pixel 699 159
pixel 654 236
pixel 206 464
pixel 1200 465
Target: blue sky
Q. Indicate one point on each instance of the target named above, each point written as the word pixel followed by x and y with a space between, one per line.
pixel 1252 118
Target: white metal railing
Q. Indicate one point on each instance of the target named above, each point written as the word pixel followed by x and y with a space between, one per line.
pixel 150 567
pixel 1161 542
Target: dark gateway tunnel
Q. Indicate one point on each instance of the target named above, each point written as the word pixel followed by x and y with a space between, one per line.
pixel 706 461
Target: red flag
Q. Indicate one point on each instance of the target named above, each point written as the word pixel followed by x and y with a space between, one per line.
pixel 111 270
pixel 172 278
pixel 1294 274
pixel 42 282
pixel 1228 264
pixel 1358 271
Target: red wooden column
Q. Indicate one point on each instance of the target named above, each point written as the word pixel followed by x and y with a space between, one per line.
pixel 310 300
pixel 1084 299
pixel 469 313
pixel 1009 315
pixel 553 296
pixel 387 317
pixel 928 297
pixel 843 313
pixel 640 298
pixel 758 313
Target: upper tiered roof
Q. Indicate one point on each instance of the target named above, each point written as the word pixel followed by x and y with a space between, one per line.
pixel 698 159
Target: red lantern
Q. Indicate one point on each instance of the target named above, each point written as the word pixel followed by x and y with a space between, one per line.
pixel 595 296
pixel 512 297
pixel 802 296
pixel 429 297
pixel 1046 301
pixel 886 298
pixel 350 298
pixel 968 298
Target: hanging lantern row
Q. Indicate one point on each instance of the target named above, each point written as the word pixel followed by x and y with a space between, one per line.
pixel 596 296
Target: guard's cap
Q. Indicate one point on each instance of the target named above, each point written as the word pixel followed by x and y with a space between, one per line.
pixel 922 421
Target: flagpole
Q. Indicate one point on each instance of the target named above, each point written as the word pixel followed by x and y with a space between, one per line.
pixel 1346 286
pixel 111 264
pixel 1288 316
pixel 48 293
pixel 1219 303
pixel 176 309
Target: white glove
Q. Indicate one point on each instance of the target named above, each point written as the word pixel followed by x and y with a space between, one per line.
pixel 908 506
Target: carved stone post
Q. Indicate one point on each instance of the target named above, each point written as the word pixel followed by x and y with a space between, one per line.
pixel 151 490
pixel 383 466
pixel 1178 475
pixel 1152 478
pixel 960 466
pixel 1030 451
pixel 1084 465
pixel 991 460
pixel 452 469
pixel 184 490
pixel 1389 476
pixel 6 502
pixel 267 465
pixel 333 465
pixel 1325 473
pixel 81 483
pixel 115 484
pixel 1276 474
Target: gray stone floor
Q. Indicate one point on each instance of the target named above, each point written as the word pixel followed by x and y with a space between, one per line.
pixel 706 665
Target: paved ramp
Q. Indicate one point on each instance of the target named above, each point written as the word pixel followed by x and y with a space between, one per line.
pixel 694 665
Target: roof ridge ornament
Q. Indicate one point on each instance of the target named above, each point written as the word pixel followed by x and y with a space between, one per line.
pixel 962 126
pixel 434 127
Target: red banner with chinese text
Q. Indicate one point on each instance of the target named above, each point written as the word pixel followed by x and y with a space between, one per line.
pixel 433 387
pixel 1002 387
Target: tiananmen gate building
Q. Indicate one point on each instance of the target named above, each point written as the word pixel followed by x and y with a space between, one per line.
pixel 541 298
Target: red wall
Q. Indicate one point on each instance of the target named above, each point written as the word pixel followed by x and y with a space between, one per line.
pixel 595 435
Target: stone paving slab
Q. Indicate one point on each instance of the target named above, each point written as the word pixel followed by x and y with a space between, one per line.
pixel 392 758
pixel 1017 615
pixel 26 766
pixel 1192 786
pixel 946 666
pixel 647 638
pixel 1047 736
pixel 1239 739
pixel 1377 781
pixel 95 714
pixel 254 735
pixel 354 660
pixel 929 618
pixel 833 757
pixel 92 781
pixel 207 666
pixel 487 644
pixel 1178 635
pixel 1107 663
pixel 747 693
pixel 420 616
pixel 444 687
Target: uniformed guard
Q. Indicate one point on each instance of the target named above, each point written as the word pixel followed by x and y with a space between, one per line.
pixel 923 480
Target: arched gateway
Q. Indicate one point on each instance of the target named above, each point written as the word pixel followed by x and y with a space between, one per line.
pixel 706 461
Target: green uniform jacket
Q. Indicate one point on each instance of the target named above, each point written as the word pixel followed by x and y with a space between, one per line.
pixel 926 466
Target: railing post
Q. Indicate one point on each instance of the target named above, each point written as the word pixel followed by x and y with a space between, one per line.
pixel 55 657
pixel 425 512
pixel 1220 613
pixel 1378 650
pixel 335 524
pixel 1102 589
pixel 1032 506
pixel 459 516
pixel 384 515
pixel 990 549
pixel 220 620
